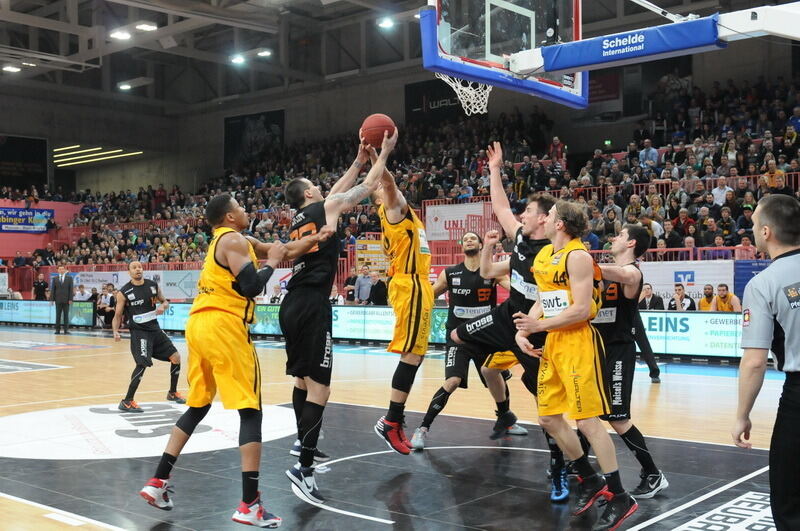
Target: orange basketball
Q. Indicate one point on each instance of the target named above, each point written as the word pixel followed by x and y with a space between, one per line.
pixel 373 128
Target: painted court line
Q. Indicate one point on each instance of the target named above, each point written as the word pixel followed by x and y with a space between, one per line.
pixel 700 499
pixel 368 454
pixel 64 514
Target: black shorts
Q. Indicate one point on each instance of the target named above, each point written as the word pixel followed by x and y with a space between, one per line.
pixel 620 366
pixel 306 320
pixel 456 363
pixel 147 345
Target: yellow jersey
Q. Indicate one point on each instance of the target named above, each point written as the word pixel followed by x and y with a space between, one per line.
pixel 550 271
pixel 405 244
pixel 704 305
pixel 215 286
pixel 726 304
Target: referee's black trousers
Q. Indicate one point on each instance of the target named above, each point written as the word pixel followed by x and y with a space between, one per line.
pixel 784 458
pixel 645 349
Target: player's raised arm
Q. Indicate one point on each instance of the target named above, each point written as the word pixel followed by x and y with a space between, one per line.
pixel 335 204
pixel 440 286
pixel 346 181
pixel 233 252
pixel 490 269
pixel 294 248
pixel 500 204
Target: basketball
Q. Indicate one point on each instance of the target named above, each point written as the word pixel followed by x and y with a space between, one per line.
pixel 373 128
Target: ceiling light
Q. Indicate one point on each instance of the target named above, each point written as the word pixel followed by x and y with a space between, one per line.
pixel 11 68
pixel 124 86
pixel 386 23
pixel 66 148
pixel 416 15
pixel 101 158
pixel 146 26
pixel 69 153
pixel 120 35
pixel 140 81
pixel 237 59
pixel 90 155
pixel 264 53
pixel 25 63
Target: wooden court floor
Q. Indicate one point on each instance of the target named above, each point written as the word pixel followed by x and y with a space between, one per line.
pixel 41 372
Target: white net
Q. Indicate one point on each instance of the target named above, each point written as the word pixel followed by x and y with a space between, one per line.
pixel 474 97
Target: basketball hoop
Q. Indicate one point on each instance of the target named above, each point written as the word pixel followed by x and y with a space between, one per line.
pixel 474 97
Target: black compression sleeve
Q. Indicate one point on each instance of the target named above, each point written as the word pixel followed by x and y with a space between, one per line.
pixel 249 282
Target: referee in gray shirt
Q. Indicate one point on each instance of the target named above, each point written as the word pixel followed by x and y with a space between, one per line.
pixel 771 321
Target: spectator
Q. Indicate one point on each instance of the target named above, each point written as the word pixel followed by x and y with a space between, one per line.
pixel 683 221
pixel 350 287
pixel 680 302
pixel 277 294
pixel 745 250
pixel 378 294
pixel 335 298
pixel 720 191
pixel 649 300
pixel 648 157
pixel 106 305
pixel 39 290
pixel 704 304
pixel 362 286
pixel 709 235
pixel 780 186
pixel 728 227
pixel 19 260
pixel 726 301
pixel 691 252
pixel 717 250
pixel 672 238
pixel 81 294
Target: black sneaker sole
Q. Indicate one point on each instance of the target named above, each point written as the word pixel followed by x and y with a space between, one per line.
pixel 663 484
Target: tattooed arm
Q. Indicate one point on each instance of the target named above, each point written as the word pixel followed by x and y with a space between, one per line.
pixel 335 204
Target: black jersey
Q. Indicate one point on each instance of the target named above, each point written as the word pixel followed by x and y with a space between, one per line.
pixel 140 305
pixel 40 290
pixel 317 268
pixel 471 295
pixel 616 319
pixel 523 285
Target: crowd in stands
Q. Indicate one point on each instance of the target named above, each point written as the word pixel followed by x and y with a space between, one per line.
pixel 702 148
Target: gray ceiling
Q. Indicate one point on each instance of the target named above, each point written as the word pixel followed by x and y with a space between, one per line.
pixel 188 57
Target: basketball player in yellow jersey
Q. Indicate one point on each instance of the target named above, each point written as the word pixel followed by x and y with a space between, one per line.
pixel 725 301
pixel 221 355
pixel 411 298
pixel 571 376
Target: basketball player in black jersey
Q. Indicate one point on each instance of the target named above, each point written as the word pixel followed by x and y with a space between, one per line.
pixel 470 295
pixel 137 301
pixel 306 315
pixel 616 322
pixel 495 331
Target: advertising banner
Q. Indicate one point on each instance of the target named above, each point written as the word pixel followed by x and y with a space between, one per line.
pixel 370 253
pixel 744 270
pixel 30 220
pixel 3 282
pixel 42 312
pixel 438 216
pixel 431 101
pixel 692 274
pixel 95 279
pixel 175 317
pixel 703 334
pixel 179 284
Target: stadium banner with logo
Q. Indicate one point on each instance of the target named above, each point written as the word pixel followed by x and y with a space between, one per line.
pixel 744 270
pixel 692 274
pixel 179 284
pixel 430 101
pixel 29 220
pixel 96 279
pixel 370 253
pixel 42 312
pixel 702 334
pixel 439 217
pixel 3 282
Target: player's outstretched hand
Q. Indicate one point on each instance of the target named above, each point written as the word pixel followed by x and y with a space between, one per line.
pixel 389 141
pixel 525 346
pixel 491 238
pixel 741 433
pixel 363 150
pixel 495 151
pixel 325 232
pixel 527 324
pixel 117 337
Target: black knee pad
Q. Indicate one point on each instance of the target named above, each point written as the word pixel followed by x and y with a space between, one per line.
pixel 189 420
pixel 250 426
pixel 529 380
pixel 403 377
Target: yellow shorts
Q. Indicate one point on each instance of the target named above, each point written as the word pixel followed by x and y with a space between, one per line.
pixel 571 378
pixel 501 360
pixel 222 357
pixel 411 297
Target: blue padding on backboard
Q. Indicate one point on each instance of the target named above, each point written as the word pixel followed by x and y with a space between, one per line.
pixel 431 60
pixel 678 38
